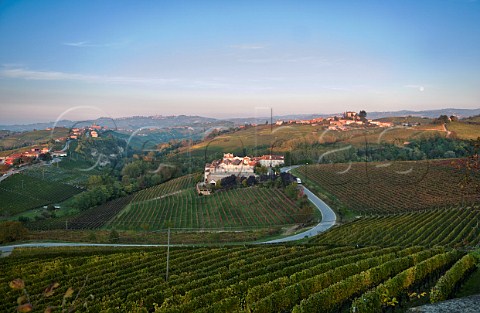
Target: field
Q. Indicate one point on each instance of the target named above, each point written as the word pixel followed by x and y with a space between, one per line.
pixel 176 204
pixel 93 218
pixel 453 227
pixel 240 208
pixel 406 119
pixel 287 138
pixel 97 217
pixel 472 119
pixel 391 187
pixel 68 171
pixel 19 193
pixel 181 236
pixel 232 279
pixel 464 130
pixel 304 143
pixel 165 189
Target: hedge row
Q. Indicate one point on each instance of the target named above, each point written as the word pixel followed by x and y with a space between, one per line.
pixel 450 280
pixel 376 299
pixel 333 297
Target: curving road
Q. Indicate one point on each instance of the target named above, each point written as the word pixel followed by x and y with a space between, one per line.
pixel 329 219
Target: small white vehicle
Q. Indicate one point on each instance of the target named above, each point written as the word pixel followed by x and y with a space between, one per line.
pixel 299 181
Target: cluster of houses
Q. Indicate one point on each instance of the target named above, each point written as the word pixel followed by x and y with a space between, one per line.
pixel 347 120
pixel 90 131
pixel 31 154
pixel 238 166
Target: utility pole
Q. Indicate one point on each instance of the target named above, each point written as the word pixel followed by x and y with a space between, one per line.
pixel 306 172
pixel 168 253
pixel 271 120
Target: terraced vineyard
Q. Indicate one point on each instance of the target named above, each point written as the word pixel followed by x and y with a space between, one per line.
pixel 250 279
pixel 244 207
pixel 392 188
pixel 168 188
pixel 452 227
pixel 99 216
pixel 19 193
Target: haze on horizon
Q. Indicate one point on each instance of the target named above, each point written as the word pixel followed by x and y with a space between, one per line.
pixel 86 59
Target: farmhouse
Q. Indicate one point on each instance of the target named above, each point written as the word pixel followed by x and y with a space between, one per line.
pixel 11 158
pixel 381 124
pixel 59 153
pixel 238 166
pixel 270 160
pixel 350 115
pixel 227 166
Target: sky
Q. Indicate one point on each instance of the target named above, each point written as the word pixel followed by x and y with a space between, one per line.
pixel 85 59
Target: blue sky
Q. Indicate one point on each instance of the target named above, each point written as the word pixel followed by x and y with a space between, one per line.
pixel 235 58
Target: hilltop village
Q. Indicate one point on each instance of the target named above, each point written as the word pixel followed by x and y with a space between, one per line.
pixel 347 119
pixel 54 142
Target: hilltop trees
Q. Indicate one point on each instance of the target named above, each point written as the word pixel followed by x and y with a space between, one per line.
pixel 442 119
pixel 362 115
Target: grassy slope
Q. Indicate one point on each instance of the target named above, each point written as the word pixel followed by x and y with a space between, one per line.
pixel 261 139
pixel 406 119
pixel 464 130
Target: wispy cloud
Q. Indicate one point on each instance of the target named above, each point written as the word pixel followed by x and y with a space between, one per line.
pixel 418 87
pixel 202 83
pixel 289 59
pixel 76 44
pixel 248 47
pixel 23 73
pixel 190 83
pixel 87 44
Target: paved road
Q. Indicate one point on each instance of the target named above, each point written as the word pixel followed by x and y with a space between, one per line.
pixel 329 217
pixel 14 171
pixel 67 145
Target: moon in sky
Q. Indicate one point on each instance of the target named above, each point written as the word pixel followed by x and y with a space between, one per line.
pixel 421 88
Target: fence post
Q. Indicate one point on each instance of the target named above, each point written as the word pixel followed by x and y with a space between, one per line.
pixel 168 254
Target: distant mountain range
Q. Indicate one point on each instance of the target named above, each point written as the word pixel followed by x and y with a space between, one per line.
pixel 129 123
pixel 136 122
pixel 461 113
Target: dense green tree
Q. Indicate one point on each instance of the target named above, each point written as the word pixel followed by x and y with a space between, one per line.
pixel 442 119
pixel 12 231
pixel 292 191
pixel 362 115
pixel 113 236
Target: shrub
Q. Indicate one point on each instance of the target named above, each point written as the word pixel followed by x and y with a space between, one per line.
pixel 12 231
